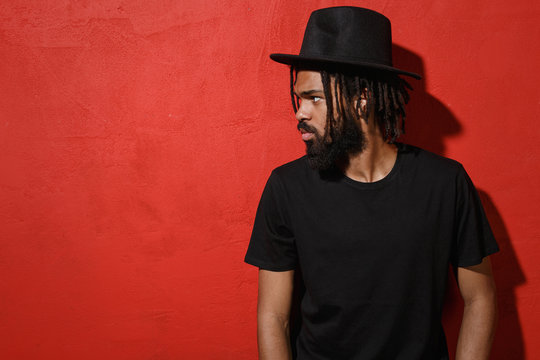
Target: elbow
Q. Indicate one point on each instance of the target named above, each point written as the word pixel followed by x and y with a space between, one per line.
pixel 276 321
pixel 483 307
pixel 484 299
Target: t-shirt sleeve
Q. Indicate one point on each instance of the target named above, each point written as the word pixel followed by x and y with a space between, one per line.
pixel 474 238
pixel 272 244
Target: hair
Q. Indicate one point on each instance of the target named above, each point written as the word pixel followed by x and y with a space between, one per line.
pixel 386 95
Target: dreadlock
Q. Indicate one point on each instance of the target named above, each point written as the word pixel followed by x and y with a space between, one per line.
pixel 386 94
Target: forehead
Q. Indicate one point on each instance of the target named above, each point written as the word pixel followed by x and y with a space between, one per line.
pixel 307 80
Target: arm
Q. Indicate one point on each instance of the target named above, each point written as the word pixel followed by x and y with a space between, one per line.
pixel 477 289
pixel 273 310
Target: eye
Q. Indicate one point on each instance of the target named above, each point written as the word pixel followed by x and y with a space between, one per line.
pixel 316 99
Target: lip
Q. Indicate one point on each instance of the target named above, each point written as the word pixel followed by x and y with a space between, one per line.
pixel 306 135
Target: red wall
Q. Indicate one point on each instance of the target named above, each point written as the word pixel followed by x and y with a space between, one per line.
pixel 136 138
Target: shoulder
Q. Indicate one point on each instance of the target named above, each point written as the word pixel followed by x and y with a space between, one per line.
pixel 430 163
pixel 294 177
pixel 293 170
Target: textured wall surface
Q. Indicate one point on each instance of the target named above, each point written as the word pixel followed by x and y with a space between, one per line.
pixel 136 138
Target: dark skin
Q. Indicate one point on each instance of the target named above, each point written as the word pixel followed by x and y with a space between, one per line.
pixel 476 283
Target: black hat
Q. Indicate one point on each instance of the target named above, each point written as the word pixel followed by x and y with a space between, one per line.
pixel 346 35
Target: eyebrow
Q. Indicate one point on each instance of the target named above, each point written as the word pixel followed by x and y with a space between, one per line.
pixel 309 92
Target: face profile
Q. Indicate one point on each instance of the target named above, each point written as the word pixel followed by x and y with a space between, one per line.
pixel 323 149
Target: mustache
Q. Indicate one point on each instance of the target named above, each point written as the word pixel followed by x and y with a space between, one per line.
pixel 306 127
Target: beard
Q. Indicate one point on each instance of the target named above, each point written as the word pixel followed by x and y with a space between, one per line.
pixel 323 155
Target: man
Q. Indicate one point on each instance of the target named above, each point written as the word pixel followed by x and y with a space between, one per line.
pixel 372 224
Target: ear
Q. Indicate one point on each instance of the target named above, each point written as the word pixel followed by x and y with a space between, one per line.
pixel 363 102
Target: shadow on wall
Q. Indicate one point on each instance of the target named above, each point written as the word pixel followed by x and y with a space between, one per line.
pixel 508 343
pixel 428 123
pixel 508 276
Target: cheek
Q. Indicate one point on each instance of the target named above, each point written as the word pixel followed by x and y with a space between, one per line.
pixel 321 118
pixel 320 128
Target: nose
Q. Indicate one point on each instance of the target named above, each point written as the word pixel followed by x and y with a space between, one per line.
pixel 303 113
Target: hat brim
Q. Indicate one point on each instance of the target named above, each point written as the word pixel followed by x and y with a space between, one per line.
pixel 314 60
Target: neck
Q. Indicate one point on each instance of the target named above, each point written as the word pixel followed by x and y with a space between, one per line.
pixel 372 164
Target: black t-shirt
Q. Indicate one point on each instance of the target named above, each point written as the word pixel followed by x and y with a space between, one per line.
pixel 374 256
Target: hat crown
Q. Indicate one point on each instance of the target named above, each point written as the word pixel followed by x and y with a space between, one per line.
pixel 348 33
